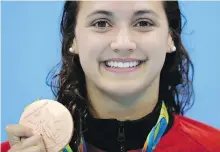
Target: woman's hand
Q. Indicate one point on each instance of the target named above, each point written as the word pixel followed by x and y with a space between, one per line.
pixel 21 139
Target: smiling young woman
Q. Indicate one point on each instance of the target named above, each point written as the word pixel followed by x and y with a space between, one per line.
pixel 124 69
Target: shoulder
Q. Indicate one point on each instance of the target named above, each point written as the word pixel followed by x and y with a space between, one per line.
pixel 196 129
pixel 192 135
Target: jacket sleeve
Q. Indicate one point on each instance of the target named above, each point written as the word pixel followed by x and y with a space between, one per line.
pixel 5 146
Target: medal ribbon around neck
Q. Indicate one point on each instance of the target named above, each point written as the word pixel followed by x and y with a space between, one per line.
pixel 153 137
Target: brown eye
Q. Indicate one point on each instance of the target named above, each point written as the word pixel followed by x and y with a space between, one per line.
pixel 101 24
pixel 144 24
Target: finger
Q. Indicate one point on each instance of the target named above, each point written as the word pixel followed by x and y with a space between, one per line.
pixel 15 132
pixel 34 149
pixel 13 139
pixel 29 149
pixel 32 141
pixel 19 130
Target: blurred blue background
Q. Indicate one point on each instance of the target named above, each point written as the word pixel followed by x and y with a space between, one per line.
pixel 31 47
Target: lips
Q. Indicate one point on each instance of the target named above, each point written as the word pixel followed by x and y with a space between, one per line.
pixel 123 65
pixel 120 64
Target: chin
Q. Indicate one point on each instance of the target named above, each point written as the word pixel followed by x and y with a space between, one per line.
pixel 124 89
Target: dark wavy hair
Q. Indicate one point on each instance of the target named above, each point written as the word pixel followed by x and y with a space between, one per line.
pixel 67 79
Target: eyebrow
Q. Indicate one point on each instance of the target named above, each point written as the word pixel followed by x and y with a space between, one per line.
pixel 111 14
pixel 143 12
pixel 101 12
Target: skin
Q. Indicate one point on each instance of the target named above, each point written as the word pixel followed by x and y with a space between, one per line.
pixel 28 142
pixel 123 96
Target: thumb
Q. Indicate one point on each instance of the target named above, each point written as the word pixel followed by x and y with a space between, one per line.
pixel 16 132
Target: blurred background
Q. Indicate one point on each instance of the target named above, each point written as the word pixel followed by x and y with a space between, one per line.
pixel 31 47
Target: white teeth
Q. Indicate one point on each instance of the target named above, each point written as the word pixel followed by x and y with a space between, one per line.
pixel 122 64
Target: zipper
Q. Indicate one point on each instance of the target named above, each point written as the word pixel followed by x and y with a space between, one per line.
pixel 121 136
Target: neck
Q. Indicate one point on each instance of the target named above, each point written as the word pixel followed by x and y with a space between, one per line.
pixel 133 107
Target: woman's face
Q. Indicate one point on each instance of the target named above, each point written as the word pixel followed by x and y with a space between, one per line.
pixel 122 45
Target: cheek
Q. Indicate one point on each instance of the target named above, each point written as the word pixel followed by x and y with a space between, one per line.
pixel 155 48
pixel 91 47
pixel 155 45
pixel 89 54
pixel 87 45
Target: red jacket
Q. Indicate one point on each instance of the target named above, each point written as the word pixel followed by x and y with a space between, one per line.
pixel 186 135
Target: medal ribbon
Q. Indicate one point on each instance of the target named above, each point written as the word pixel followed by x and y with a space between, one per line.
pixel 153 137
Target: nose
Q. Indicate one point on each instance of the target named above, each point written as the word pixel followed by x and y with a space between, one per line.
pixel 123 41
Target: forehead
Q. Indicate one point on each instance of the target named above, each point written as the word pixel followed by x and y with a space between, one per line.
pixel 125 7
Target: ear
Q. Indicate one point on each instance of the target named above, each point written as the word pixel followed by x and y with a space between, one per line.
pixel 170 43
pixel 73 48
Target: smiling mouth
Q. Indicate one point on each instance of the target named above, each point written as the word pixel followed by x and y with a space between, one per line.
pixel 121 64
